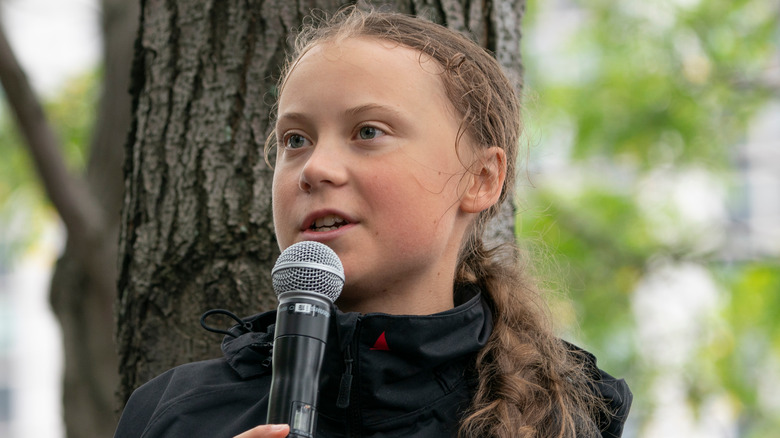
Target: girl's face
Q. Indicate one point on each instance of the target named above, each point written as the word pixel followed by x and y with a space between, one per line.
pixel 366 163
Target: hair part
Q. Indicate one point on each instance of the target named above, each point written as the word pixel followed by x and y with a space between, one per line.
pixel 529 384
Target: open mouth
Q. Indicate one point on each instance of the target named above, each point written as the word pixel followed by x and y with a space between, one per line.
pixel 328 223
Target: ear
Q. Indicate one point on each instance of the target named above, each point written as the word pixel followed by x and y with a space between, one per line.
pixel 485 180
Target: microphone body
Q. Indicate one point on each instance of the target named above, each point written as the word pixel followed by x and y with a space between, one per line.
pixel 302 321
pixel 307 278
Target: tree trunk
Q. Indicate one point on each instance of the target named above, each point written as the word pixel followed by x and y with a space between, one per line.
pixel 83 287
pixel 196 229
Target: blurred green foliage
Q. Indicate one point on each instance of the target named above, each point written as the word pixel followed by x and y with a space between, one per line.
pixel 657 82
pixel 24 208
pixel 616 91
pixel 748 352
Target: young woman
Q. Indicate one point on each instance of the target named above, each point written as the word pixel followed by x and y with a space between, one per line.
pixel 395 144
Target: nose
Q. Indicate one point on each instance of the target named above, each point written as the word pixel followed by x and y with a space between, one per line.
pixel 326 166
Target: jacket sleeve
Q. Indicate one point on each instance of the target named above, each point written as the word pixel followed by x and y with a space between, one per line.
pixel 141 407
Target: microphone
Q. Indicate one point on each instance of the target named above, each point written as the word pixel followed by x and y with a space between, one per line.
pixel 307 279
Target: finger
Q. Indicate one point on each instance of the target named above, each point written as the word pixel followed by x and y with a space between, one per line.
pixel 266 431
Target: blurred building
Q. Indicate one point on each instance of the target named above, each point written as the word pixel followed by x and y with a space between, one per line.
pixel 30 340
pixel 5 353
pixel 755 225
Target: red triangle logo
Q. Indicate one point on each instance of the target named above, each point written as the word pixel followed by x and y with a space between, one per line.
pixel 381 343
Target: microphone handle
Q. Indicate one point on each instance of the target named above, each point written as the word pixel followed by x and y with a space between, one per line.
pixel 299 347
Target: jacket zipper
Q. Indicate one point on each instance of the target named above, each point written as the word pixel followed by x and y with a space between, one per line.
pixel 345 386
pixel 353 414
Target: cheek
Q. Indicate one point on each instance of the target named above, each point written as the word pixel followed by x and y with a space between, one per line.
pixel 282 192
pixel 406 202
pixel 276 196
pixel 285 179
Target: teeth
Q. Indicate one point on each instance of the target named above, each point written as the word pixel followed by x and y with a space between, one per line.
pixel 328 223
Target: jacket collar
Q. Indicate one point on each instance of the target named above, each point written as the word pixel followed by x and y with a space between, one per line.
pixel 419 341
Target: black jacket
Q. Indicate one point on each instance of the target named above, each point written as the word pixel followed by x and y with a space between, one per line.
pixel 408 379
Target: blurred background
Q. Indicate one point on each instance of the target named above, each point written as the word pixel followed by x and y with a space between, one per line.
pixel 649 200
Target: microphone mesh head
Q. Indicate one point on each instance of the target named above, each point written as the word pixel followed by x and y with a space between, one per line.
pixel 308 266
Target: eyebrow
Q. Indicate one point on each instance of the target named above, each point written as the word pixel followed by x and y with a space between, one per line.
pixel 356 110
pixel 350 112
pixel 291 116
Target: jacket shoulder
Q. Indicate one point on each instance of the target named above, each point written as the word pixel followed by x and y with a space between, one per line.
pixel 175 402
pixel 613 391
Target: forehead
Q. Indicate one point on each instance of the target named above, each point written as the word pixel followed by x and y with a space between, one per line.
pixel 379 62
pixel 381 48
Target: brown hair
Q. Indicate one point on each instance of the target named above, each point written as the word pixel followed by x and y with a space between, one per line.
pixel 528 382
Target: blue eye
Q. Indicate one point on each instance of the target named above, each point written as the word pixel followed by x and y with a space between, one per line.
pixel 295 141
pixel 369 132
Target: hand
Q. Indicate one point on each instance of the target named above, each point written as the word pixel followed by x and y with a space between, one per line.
pixel 266 431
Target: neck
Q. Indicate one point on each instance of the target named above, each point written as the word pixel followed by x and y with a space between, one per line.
pixel 422 301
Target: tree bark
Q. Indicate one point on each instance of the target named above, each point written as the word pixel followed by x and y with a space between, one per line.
pixel 196 229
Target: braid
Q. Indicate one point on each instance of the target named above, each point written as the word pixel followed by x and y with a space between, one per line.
pixel 529 384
